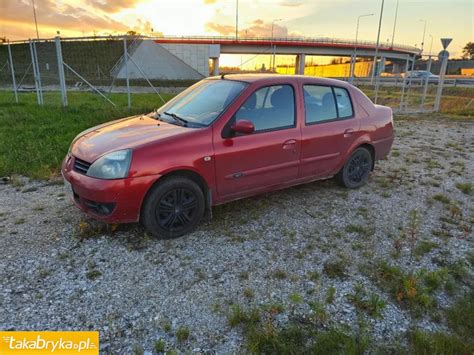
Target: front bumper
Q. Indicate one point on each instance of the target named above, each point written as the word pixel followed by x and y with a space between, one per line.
pixel 110 201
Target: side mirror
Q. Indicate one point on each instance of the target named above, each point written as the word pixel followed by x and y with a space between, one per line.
pixel 243 126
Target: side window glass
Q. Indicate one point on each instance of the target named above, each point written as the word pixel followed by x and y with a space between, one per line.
pixel 319 103
pixel 269 108
pixel 343 103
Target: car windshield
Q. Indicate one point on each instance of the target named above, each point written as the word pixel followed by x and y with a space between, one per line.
pixel 202 103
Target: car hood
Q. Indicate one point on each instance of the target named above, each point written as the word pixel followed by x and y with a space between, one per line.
pixel 130 132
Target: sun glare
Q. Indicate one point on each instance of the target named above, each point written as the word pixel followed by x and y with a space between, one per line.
pixel 190 19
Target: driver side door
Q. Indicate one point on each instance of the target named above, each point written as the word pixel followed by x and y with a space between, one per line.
pixel 269 156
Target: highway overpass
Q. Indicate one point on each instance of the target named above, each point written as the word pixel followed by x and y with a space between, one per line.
pixel 188 57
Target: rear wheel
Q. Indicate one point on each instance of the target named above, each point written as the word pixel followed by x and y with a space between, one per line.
pixel 355 172
pixel 173 208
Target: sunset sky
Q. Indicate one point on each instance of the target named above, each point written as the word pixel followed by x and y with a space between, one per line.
pixel 312 18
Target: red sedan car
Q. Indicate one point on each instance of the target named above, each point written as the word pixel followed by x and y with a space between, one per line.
pixel 223 139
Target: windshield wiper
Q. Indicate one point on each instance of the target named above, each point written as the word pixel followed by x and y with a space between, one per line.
pixel 177 118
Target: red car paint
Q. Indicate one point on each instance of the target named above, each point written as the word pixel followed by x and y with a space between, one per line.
pixel 265 162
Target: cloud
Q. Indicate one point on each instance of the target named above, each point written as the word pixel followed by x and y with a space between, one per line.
pixel 143 26
pixel 112 6
pixel 53 16
pixel 220 29
pixel 291 3
pixel 258 28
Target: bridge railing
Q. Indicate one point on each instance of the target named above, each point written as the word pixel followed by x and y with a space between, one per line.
pixel 249 40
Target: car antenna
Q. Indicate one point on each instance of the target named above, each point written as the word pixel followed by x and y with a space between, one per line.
pixel 227 73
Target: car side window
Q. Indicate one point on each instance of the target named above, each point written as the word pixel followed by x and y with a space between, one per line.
pixel 344 104
pixel 269 108
pixel 319 103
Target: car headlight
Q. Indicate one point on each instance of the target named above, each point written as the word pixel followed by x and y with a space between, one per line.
pixel 113 165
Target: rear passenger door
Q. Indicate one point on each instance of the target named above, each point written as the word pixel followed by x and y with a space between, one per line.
pixel 330 126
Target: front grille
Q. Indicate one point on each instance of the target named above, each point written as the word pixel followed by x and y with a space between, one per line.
pixel 81 166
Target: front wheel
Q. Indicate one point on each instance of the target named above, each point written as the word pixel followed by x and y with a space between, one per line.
pixel 355 172
pixel 173 208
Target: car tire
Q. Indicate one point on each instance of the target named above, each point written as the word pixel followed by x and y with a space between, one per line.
pixel 173 207
pixel 355 172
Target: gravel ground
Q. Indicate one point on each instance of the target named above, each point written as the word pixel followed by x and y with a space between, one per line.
pixel 61 271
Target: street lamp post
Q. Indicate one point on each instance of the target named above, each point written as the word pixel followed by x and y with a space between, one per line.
pixel 237 19
pixel 395 23
pixel 354 61
pixel 272 61
pixel 378 42
pixel 34 15
pixel 424 32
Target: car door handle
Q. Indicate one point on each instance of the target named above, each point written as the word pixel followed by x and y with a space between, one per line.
pixel 348 132
pixel 289 144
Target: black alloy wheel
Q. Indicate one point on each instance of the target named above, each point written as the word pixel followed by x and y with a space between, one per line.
pixel 355 172
pixel 176 209
pixel 173 207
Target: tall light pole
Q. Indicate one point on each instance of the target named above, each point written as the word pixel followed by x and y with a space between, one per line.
pixel 424 32
pixel 237 19
pixel 272 66
pixel 395 24
pixel 355 45
pixel 378 42
pixel 431 44
pixel 34 15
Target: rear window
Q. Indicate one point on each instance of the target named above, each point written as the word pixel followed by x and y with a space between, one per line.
pixel 344 104
pixel 326 103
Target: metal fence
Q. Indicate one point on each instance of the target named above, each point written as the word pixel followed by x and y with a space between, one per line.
pixel 54 69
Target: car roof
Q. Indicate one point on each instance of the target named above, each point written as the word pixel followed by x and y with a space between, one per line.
pixel 270 78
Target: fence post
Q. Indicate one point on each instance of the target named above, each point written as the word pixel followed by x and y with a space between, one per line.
pixel 62 77
pixel 380 66
pixel 425 89
pixel 38 71
pixel 125 57
pixel 442 73
pixel 410 79
pixel 402 97
pixel 35 73
pixel 13 72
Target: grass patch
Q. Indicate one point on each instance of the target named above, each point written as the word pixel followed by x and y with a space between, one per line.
pixel 34 139
pixel 160 346
pixel 262 337
pixel 240 316
pixel 438 343
pixel 280 274
pixel 465 187
pixel 424 247
pixel 461 316
pixel 336 268
pixel 296 339
pixel 442 198
pixel 182 334
pixel 412 290
pixel 372 303
pixel 330 294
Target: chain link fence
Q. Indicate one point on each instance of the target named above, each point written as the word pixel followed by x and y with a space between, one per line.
pixel 56 70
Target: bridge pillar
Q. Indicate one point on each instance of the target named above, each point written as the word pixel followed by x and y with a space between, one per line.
pixel 299 66
pixel 397 68
pixel 215 66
